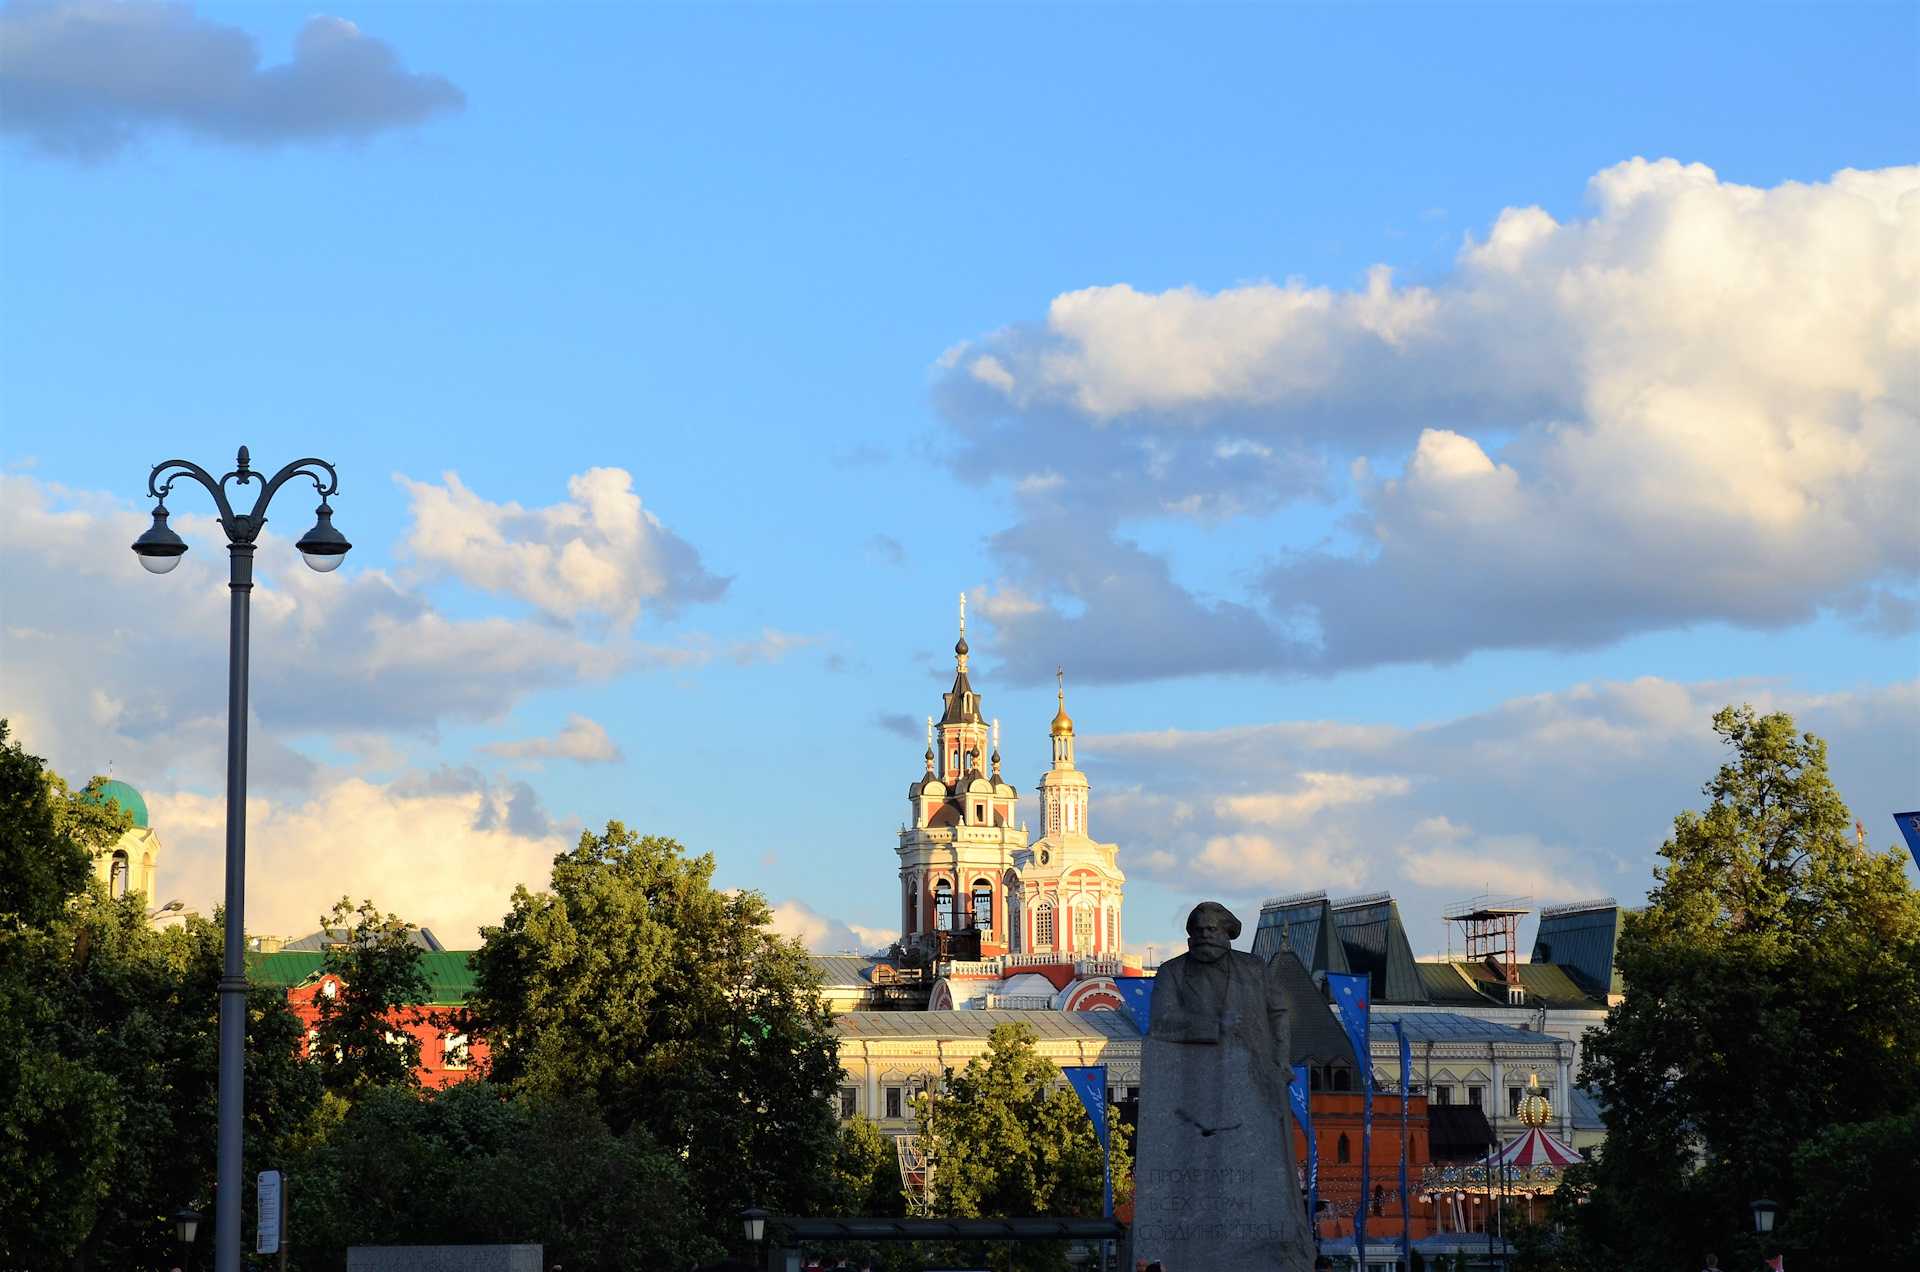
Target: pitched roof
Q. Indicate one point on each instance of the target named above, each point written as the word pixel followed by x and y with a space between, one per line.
pixel 1582 937
pixel 449 972
pixel 1376 943
pixel 1315 1035
pixel 1445 1026
pixel 1306 924
pixel 846 970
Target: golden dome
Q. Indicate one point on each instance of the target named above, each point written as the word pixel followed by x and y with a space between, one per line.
pixel 1535 1109
pixel 1063 723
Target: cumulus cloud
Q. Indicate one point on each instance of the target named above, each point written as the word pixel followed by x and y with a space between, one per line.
pixel 579 739
pixel 1561 796
pixel 104 661
pixel 86 78
pixel 822 935
pixel 599 555
pixel 1700 403
pixel 443 849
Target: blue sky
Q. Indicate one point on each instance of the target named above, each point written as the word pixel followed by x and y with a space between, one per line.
pixel 798 273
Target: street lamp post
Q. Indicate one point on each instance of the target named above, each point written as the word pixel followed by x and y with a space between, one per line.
pixel 186 1224
pixel 160 550
pixel 753 1224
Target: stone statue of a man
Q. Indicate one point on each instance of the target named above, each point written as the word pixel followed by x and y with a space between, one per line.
pixel 1214 1181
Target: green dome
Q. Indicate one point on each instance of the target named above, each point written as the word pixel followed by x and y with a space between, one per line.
pixel 125 796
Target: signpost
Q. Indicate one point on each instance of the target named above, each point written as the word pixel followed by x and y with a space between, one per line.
pixel 272 1212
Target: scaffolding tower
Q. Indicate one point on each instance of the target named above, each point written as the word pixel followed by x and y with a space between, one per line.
pixel 1492 928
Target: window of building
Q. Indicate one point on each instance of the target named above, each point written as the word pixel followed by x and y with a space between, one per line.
pixel 117 880
pixel 1513 1100
pixel 1477 1096
pixel 1113 929
pixel 1073 820
pixel 1083 927
pixel 1343 1152
pixel 1342 1080
pixel 982 903
pixel 980 814
pixel 943 906
pixel 893 1102
pixel 453 1051
pixel 1043 926
pixel 913 908
pixel 1443 1095
pixel 849 1102
pixel 1053 816
pixel 1313 1079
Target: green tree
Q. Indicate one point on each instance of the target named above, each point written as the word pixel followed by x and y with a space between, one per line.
pixel 1861 1213
pixel 380 971
pixel 868 1166
pixel 1772 989
pixel 58 1115
pixel 679 1010
pixel 1006 1138
pixel 467 1165
pixel 108 1064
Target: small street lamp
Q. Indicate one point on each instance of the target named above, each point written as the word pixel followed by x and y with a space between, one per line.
pixel 1763 1212
pixel 186 1226
pixel 160 550
pixel 753 1222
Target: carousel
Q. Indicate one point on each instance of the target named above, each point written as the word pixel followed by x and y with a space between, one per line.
pixel 1529 1167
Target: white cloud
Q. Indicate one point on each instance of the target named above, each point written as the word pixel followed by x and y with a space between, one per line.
pixel 599 555
pixel 86 78
pixel 442 849
pixel 579 739
pixel 1711 394
pixel 105 661
pixel 823 935
pixel 1563 795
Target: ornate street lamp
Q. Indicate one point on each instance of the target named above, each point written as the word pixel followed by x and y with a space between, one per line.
pixel 1763 1212
pixel 186 1225
pixel 160 549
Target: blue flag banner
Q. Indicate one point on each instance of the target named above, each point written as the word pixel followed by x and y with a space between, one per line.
pixel 1090 1084
pixel 1910 827
pixel 1406 1101
pixel 1350 1004
pixel 1137 993
pixel 1300 1095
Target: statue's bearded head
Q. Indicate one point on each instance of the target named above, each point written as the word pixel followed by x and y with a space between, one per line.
pixel 1211 929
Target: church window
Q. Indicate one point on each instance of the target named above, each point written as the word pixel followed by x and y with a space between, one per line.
pixel 1082 927
pixel 1113 928
pixel 1072 820
pixel 913 906
pixel 118 881
pixel 1043 926
pixel 943 906
pixel 1343 1152
pixel 1053 816
pixel 980 813
pixel 982 903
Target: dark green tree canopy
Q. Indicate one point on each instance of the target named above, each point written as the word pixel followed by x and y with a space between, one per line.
pixel 1772 990
pixel 381 972
pixel 678 1009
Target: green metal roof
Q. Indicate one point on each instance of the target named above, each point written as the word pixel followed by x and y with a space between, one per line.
pixel 449 972
pixel 1582 937
pixel 978 1024
pixel 116 791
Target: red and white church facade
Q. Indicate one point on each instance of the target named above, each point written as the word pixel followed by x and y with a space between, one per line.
pixel 976 895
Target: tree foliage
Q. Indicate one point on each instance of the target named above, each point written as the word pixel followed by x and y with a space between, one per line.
pixel 472 1165
pixel 1772 990
pixel 108 1062
pixel 679 1010
pixel 1006 1138
pixel 868 1167
pixel 380 972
